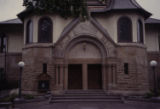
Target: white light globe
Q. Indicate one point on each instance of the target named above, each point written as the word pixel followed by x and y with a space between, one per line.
pixel 21 64
pixel 153 63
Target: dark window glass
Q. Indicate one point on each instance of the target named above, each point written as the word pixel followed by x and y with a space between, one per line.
pixel 45 30
pixel 1 70
pixel 159 41
pixel 124 30
pixel 140 31
pixel 44 68
pixel 29 32
pixel 126 68
pixel 3 43
pixel 1 74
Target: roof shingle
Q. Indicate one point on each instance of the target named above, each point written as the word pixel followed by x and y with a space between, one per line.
pixel 12 21
pixel 152 21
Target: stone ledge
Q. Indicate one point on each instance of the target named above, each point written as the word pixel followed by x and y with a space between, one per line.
pixel 38 45
pixel 132 45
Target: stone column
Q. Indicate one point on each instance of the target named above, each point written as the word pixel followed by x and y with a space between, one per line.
pixel 114 74
pixel 56 75
pixel 66 77
pixel 61 76
pixel 104 76
pixel 84 77
pixel 109 76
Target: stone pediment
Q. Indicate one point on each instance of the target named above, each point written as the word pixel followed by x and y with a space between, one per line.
pixel 85 28
pixel 90 29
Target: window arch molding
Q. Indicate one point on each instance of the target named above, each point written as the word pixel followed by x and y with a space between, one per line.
pixel 140 33
pixel 29 32
pixel 45 30
pixel 124 29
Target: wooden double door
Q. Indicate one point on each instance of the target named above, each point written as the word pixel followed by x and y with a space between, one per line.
pixel 76 75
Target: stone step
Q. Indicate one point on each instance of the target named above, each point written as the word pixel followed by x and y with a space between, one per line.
pixel 87 91
pixel 85 100
pixel 83 96
pixel 88 95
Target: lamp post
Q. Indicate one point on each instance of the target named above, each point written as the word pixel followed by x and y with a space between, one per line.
pixel 153 65
pixel 21 64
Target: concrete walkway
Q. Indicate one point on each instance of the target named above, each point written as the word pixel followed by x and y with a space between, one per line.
pixel 89 105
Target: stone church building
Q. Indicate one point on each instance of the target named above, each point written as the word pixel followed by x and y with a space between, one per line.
pixel 110 51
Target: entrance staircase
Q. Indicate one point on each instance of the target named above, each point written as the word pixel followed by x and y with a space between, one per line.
pixel 85 96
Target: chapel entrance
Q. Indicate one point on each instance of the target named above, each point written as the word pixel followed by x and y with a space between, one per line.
pixel 84 69
pixel 94 76
pixel 84 76
pixel 75 76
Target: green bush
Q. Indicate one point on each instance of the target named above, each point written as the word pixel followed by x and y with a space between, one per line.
pixel 9 98
pixel 152 94
pixel 149 95
pixel 28 97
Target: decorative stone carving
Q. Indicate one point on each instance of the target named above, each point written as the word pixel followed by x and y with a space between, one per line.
pixel 87 29
pixel 84 50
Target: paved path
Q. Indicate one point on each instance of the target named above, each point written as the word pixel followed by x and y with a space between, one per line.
pixel 89 105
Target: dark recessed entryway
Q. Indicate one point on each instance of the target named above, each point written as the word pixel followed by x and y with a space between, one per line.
pixel 94 76
pixel 75 76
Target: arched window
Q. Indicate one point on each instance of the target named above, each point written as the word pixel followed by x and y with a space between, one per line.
pixel 29 32
pixel 124 30
pixel 140 32
pixel 45 30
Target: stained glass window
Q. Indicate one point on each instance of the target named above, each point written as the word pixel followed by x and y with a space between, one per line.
pixel 45 30
pixel 124 30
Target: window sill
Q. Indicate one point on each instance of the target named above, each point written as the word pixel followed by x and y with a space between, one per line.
pixel 131 44
pixel 38 45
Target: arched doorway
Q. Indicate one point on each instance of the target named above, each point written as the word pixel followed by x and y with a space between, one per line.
pixel 85 60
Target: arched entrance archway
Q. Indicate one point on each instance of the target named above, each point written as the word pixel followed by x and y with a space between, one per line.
pixel 84 57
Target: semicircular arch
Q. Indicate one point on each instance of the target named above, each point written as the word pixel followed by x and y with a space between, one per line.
pixel 86 44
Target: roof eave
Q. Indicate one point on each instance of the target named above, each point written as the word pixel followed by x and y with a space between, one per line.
pixel 143 12
pixel 24 14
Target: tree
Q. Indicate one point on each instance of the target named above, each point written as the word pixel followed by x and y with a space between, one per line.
pixel 65 8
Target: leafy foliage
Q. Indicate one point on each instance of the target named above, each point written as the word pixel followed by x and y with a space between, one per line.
pixel 65 8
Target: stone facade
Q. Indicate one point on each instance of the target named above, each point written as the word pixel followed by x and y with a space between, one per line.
pixel 123 66
pixel 34 57
pixel 87 43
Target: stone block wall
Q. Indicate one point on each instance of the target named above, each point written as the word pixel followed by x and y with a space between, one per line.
pixel 136 80
pixel 34 57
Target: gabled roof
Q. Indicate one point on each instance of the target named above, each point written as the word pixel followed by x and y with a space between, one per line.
pixel 128 5
pixel 125 4
pixel 12 21
pixel 152 21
